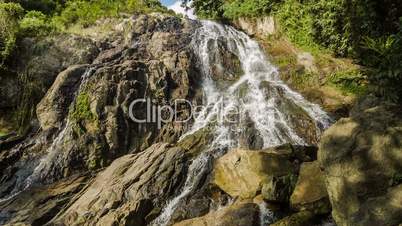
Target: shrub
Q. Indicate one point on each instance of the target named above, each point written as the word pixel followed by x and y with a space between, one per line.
pixel 47 7
pixel 82 109
pixel 208 9
pixel 10 14
pixel 349 81
pixel 297 22
pixel 384 57
pixel 247 8
pixel 86 12
pixel 35 23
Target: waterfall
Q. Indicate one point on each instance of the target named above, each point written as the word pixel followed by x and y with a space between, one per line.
pixel 257 96
pixel 53 153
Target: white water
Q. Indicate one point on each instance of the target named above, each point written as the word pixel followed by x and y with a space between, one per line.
pixel 266 215
pixel 258 104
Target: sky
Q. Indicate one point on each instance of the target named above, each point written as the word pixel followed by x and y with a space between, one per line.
pixel 175 5
pixel 168 2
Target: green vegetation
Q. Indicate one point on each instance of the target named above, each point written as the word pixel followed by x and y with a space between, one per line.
pixel 368 31
pixel 82 109
pixel 251 8
pixel 297 22
pixel 349 81
pixel 33 18
pixel 10 14
pixel 35 23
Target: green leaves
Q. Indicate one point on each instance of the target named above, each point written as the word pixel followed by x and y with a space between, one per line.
pixel 384 57
pixel 10 14
pixel 247 8
pixel 35 23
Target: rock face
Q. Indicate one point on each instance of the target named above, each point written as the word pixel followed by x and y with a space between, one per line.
pixel 362 158
pixel 129 189
pixel 310 192
pixel 242 214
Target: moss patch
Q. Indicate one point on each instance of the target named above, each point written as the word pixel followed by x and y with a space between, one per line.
pixel 81 114
pixel 82 109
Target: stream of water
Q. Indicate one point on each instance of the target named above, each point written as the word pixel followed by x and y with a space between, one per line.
pixel 257 96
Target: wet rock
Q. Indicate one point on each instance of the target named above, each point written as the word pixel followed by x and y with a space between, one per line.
pixel 129 189
pixel 310 192
pixel 241 214
pixel 227 64
pixel 54 106
pixel 9 89
pixel 361 156
pixel 206 200
pixel 86 121
pixel 243 173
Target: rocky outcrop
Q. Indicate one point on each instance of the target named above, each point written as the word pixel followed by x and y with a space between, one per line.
pixel 361 156
pixel 310 192
pixel 85 116
pixel 128 190
pixel 244 173
pixel 241 214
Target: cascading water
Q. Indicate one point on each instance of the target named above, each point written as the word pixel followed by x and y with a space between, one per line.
pixel 257 96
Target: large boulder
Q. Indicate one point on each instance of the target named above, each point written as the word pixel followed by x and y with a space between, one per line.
pixel 310 192
pixel 362 160
pixel 244 173
pixel 241 214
